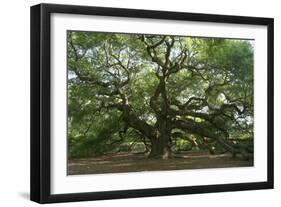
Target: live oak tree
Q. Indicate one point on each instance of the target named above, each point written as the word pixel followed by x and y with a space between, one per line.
pixel 158 89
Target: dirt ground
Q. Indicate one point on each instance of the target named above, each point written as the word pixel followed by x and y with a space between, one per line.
pixel 129 162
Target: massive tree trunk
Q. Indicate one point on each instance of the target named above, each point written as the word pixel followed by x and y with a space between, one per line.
pixel 160 148
pixel 161 144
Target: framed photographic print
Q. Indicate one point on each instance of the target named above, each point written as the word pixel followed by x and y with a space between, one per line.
pixel 133 103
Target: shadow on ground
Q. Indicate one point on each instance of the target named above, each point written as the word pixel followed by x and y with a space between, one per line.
pixel 129 162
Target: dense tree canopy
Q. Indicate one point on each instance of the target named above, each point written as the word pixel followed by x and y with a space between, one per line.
pixel 167 93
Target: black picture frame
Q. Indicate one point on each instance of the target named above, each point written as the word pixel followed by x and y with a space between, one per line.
pixel 41 96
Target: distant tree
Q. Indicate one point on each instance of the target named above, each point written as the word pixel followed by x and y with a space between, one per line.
pixel 159 89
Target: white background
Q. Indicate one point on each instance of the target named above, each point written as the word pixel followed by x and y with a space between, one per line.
pixel 14 104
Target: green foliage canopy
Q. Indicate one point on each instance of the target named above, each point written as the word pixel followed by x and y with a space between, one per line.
pixel 158 90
